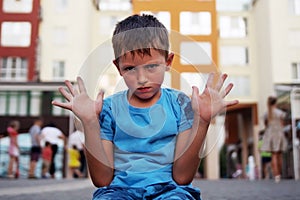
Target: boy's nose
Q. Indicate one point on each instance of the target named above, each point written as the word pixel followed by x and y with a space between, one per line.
pixel 142 76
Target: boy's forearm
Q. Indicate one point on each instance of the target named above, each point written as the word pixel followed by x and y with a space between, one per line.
pixel 187 162
pixel 99 163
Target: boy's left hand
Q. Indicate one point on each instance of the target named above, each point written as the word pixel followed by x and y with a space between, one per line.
pixel 211 102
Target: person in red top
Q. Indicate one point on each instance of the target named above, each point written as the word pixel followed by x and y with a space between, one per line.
pixel 47 156
pixel 13 149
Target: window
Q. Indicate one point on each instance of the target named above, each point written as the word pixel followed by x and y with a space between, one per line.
pixel 35 103
pixel 3 103
pixel 107 24
pixel 15 34
pixel 58 70
pixel 294 38
pixel 59 36
pixel 114 5
pixel 294 6
pixel 194 53
pixel 233 55
pixel 296 71
pixel 17 6
pixel 13 69
pixel 189 79
pixel 61 5
pixel 57 111
pixel 233 27
pixel 233 5
pixel 243 83
pixel 14 102
pixel 195 23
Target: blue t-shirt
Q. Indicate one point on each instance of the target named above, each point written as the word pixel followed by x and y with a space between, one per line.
pixel 144 138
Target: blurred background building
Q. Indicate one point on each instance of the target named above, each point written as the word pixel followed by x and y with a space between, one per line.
pixel 257 42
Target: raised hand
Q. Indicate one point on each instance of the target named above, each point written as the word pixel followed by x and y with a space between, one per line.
pixel 79 102
pixel 211 102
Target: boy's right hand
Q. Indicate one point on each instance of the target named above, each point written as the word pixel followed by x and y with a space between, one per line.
pixel 78 101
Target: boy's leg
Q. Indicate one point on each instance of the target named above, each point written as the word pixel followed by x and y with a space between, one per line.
pixel 173 192
pixel 118 193
pixel 176 195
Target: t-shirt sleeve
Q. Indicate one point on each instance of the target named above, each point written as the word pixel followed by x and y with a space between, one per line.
pixel 107 122
pixel 187 114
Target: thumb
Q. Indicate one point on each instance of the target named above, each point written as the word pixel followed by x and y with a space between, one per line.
pixel 100 95
pixel 195 93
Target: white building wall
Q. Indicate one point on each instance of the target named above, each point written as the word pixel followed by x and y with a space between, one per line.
pixel 276 50
pixel 264 84
pixel 65 35
pixel 280 49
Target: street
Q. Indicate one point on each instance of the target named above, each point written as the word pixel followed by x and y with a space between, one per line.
pixel 223 189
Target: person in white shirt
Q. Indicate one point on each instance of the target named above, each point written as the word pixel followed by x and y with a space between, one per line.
pixel 77 138
pixel 53 135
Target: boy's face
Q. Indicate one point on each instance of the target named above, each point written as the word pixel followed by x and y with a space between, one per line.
pixel 143 75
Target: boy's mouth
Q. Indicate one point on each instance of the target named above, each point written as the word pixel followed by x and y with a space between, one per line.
pixel 144 89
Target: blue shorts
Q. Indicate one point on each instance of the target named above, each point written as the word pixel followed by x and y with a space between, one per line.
pixel 153 192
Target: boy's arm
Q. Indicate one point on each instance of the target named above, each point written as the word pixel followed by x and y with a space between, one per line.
pixel 189 143
pixel 187 154
pixel 99 154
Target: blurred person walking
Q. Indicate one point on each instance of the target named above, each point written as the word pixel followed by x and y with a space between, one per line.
pixel 13 149
pixel 35 151
pixel 77 138
pixel 47 157
pixel 53 135
pixel 266 157
pixel 274 140
pixel 74 162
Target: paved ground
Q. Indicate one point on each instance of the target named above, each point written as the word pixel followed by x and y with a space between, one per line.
pixel 224 189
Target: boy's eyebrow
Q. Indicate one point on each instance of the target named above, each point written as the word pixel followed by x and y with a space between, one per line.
pixel 147 64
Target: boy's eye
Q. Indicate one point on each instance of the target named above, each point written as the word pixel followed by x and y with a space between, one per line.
pixel 129 68
pixel 151 66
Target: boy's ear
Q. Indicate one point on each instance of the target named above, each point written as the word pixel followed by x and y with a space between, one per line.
pixel 169 61
pixel 117 66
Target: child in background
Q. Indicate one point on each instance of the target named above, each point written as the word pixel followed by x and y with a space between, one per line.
pixel 46 155
pixel 74 161
pixel 13 149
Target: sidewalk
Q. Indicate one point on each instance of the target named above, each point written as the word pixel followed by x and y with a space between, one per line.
pixel 82 189
pixel 233 189
pixel 25 189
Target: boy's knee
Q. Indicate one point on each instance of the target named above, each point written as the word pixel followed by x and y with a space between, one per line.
pixel 175 196
pixel 115 193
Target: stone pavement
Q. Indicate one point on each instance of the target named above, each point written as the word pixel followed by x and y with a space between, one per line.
pixel 82 189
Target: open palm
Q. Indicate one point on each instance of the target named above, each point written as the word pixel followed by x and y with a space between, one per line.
pixel 211 102
pixel 79 102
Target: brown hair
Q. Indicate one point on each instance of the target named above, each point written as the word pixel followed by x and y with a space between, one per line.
pixel 138 34
pixel 271 102
pixel 14 124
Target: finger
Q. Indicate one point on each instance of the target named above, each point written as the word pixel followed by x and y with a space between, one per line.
pixel 231 103
pixel 227 90
pixel 62 104
pixel 65 94
pixel 210 80
pixel 70 87
pixel 81 85
pixel 221 81
pixel 195 94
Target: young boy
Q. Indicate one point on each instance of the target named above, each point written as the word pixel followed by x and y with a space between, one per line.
pixel 144 143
